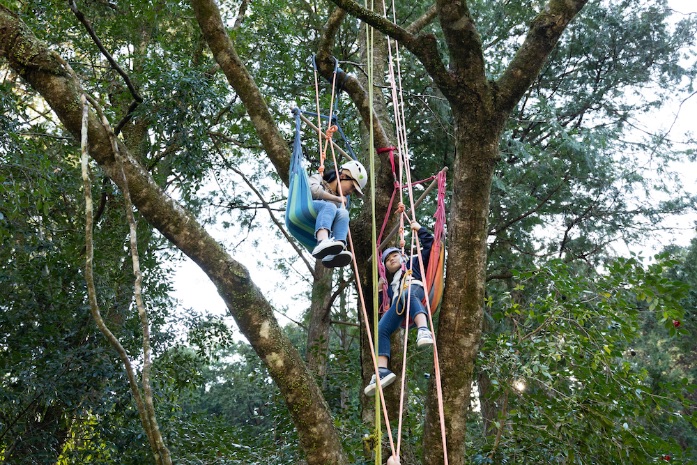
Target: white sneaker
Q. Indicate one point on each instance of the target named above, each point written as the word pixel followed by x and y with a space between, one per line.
pixel 424 338
pixel 327 247
pixel 386 378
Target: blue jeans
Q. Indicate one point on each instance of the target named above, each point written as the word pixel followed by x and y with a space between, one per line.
pixel 331 218
pixel 390 321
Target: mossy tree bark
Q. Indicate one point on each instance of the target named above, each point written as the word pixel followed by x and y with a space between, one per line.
pixel 480 108
pixel 48 74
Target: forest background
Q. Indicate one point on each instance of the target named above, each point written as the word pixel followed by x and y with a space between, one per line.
pixel 582 347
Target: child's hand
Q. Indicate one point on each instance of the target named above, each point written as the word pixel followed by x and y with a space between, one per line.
pixel 381 282
pixel 415 226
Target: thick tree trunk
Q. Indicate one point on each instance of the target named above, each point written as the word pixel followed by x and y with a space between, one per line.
pixel 319 321
pixel 460 323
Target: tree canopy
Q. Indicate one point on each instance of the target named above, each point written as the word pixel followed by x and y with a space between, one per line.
pixel 573 353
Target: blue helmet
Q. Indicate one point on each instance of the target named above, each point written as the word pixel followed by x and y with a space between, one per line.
pixel 387 253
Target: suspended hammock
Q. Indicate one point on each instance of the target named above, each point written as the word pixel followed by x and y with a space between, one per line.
pixel 300 214
pixel 435 270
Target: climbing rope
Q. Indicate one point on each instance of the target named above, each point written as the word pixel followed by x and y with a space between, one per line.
pixel 402 149
pixel 402 181
pixel 327 133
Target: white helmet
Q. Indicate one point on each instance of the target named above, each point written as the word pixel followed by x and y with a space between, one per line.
pixel 358 173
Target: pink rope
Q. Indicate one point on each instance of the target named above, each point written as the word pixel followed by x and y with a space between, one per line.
pixel 398 103
pixel 359 290
pixel 440 211
pixel 357 275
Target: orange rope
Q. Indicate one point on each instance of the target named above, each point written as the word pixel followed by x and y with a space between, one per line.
pixel 329 133
pixel 331 129
pixel 402 150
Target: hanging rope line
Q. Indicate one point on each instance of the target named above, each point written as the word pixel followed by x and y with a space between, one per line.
pixel 433 283
pixel 435 276
pixel 300 215
pixel 300 220
pixel 379 399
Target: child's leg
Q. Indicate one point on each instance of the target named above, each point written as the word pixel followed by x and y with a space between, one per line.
pixel 340 225
pixel 424 337
pixel 326 211
pixel 421 320
pixel 417 312
pixel 388 324
pixel 340 232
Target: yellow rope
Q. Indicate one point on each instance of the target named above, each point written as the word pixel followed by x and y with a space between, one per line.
pixel 371 150
pixel 379 399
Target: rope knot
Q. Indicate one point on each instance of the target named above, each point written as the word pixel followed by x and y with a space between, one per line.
pixel 331 130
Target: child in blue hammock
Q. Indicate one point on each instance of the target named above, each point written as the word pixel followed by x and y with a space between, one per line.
pixel 332 215
pixel 403 277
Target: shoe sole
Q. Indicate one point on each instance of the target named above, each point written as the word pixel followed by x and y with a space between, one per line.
pixel 386 381
pixel 337 261
pixel 424 343
pixel 329 250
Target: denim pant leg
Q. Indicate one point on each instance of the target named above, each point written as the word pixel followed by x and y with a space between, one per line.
pixel 326 211
pixel 341 224
pixel 390 321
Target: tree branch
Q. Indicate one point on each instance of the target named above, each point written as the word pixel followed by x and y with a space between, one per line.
pixel 241 12
pixel 81 17
pixel 542 37
pixel 464 42
pixel 136 96
pixel 424 47
pixel 423 21
pixel 349 83
pixel 241 81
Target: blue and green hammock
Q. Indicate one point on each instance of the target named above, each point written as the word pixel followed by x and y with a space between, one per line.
pixel 300 214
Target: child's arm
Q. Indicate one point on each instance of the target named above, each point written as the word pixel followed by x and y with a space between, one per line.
pixel 319 193
pixel 426 240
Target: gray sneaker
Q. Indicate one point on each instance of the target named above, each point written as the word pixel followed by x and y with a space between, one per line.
pixel 343 258
pixel 386 378
pixel 424 338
